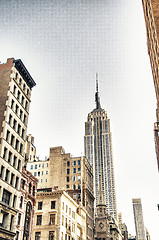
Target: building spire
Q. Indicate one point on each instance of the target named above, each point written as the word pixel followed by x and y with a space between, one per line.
pixel 97 98
pixel 100 192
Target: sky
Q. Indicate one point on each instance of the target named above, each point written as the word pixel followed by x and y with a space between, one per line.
pixel 63 43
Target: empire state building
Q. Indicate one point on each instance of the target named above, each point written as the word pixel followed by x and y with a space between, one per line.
pixel 98 150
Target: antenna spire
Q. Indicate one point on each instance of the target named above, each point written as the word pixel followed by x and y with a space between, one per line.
pixel 97 98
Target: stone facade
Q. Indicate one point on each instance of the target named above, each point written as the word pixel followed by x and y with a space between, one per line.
pixel 15 92
pixel 58 217
pixel 151 13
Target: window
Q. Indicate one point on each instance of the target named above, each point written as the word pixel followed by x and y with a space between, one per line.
pixel 74 163
pixel 21 148
pixel 29 187
pixel 19 128
pixel 20 81
pixel 62 220
pixel 46 180
pixel 14 201
pixel 53 204
pixel 10 119
pixel 68 163
pixel 17 235
pixel 35 174
pixel 17 144
pixel 37 235
pixel 4 153
pixel 2 171
pixel 74 178
pixel 67 186
pixel 38 174
pixel 73 214
pixel 19 218
pixel 12 104
pixel 14 161
pixel 26 105
pixel 52 219
pixel 9 157
pixel 18 95
pixel 21 113
pixel 24 87
pixel 31 167
pixel 17 182
pixel 51 235
pixel 47 165
pixel 36 166
pixel 16 108
pixel 46 172
pixel 19 165
pixel 14 89
pixel 33 190
pixel 67 179
pixel 39 220
pixel 23 183
pixel 24 119
pixel 22 133
pixel 22 101
pixel 7 135
pixel 6 196
pixel 74 186
pixel 12 140
pixel 74 170
pixel 69 211
pixel 63 205
pixel 39 165
pixel 79 169
pixel 68 171
pixel 14 124
pixel 66 208
pixel 11 222
pixel 27 91
pixel 42 165
pixel 79 178
pixel 7 175
pixel 79 162
pixel 79 186
pixel 11 179
pixel 79 196
pixel 41 180
pixel 74 196
pixel 16 76
pixel 40 204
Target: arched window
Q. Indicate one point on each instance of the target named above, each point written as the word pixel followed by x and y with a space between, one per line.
pixel 29 187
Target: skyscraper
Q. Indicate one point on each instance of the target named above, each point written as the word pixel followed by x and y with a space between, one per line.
pixel 98 150
pixel 151 13
pixel 138 218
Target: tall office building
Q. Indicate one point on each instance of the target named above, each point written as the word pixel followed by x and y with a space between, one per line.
pixel 15 92
pixel 138 218
pixel 151 13
pixel 98 151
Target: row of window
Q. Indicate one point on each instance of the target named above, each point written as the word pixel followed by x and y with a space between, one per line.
pixel 23 85
pixel 74 186
pixel 67 223
pixel 19 113
pixel 12 159
pixel 9 177
pixel 20 97
pixel 15 144
pixel 41 180
pixel 7 197
pixel 38 174
pixel 51 235
pixel 68 210
pixel 18 129
pixel 78 162
pixel 74 170
pixel 52 219
pixel 78 178
pixel 52 205
pixel 36 166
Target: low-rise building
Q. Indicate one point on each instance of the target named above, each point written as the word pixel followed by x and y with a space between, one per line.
pixel 58 217
pixel 115 233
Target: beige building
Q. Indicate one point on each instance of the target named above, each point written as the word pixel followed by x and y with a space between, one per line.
pixel 115 232
pixel 73 174
pixel 151 13
pixel 58 217
pixel 30 149
pixel 15 92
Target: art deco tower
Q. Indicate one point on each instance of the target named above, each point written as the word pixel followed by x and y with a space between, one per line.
pixel 98 150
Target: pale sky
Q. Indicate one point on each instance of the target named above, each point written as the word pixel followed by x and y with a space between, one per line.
pixel 63 43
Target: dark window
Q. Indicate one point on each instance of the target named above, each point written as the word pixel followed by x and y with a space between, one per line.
pixel 24 87
pixel 18 130
pixel 6 196
pixel 21 202
pixel 12 140
pixel 12 104
pixel 22 101
pixel 37 235
pixel 21 148
pixel 23 183
pixel 51 235
pixel 7 174
pixel 53 204
pixel 16 108
pixel 40 204
pixel 14 124
pixel 26 105
pixel 52 219
pixel 19 218
pixel 20 81
pixel 14 89
pixel 18 95
pixel 29 187
pixel 17 182
pixel 11 222
pixel 79 162
pixel 11 179
pixel 33 190
pixel 17 144
pixel 67 186
pixel 9 157
pixel 10 119
pixel 4 153
pixel 7 135
pixel 67 179
pixel 74 163
pixel 74 170
pixel 68 163
pixel 68 171
pixel 24 119
pixel 22 133
pixel 14 161
pixel 74 186
pixel 39 220
pixel 19 165
pixel 21 113
pixel 2 171
pixel 17 235
pixel 16 76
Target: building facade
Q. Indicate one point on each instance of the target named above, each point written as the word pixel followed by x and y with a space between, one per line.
pixel 26 208
pixel 138 218
pixel 151 13
pixel 72 174
pixel 58 217
pixel 98 151
pixel 15 92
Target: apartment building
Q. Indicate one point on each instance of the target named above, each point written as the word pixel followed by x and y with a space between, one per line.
pixel 15 93
pixel 58 216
